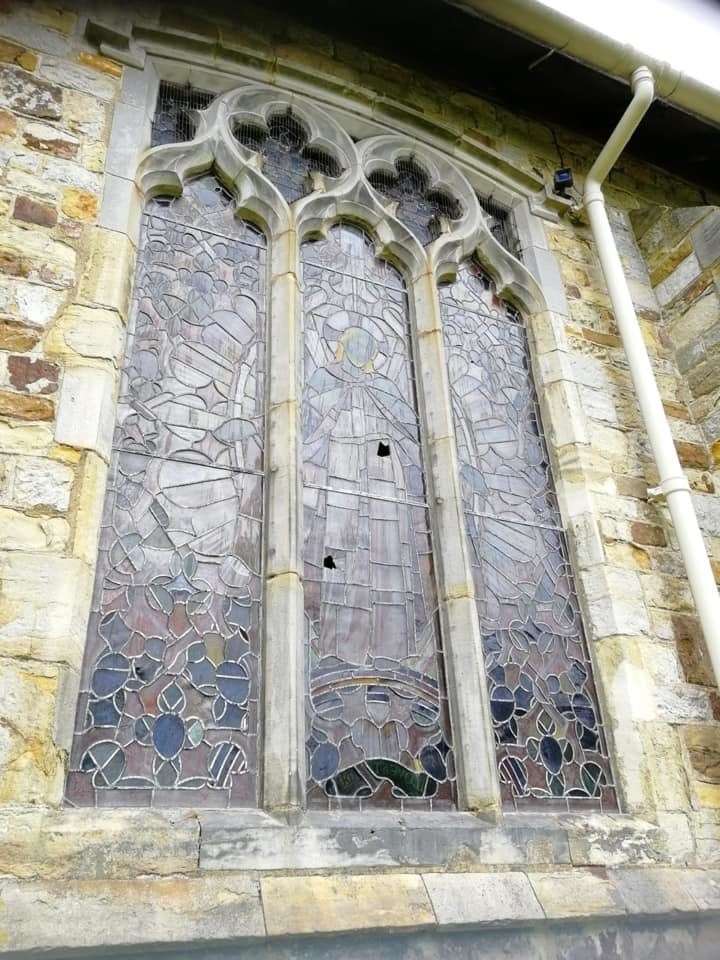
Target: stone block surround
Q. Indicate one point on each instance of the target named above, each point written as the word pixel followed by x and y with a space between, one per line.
pixel 77 94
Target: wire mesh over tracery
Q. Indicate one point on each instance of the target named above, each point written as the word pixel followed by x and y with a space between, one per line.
pixel 168 709
pixel 378 721
pixel 173 121
pixel 288 160
pixel 419 206
pixel 551 748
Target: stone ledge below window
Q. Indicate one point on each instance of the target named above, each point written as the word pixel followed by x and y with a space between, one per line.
pixel 220 912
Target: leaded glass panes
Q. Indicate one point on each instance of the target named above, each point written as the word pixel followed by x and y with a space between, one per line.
pixel 378 729
pixel 168 710
pixel 173 121
pixel 550 743
pixel 418 205
pixel 287 159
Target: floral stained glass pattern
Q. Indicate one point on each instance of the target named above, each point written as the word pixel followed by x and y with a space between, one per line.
pixel 168 709
pixel 551 749
pixel 378 729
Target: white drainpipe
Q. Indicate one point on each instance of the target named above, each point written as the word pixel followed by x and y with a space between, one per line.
pixel 673 483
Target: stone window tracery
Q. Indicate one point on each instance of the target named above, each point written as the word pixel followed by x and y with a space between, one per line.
pixel 391 398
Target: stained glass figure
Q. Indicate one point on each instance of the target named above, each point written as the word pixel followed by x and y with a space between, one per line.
pixel 287 158
pixel 168 709
pixel 419 206
pixel 551 749
pixel 378 729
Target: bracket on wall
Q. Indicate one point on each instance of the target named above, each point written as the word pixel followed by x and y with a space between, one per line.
pixel 116 42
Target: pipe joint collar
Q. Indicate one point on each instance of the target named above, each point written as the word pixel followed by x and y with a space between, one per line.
pixel 668 486
pixel 641 75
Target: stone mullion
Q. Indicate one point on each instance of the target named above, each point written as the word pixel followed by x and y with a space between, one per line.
pixel 477 782
pixel 283 751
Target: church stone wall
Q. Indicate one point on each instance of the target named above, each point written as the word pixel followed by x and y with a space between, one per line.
pixel 131 878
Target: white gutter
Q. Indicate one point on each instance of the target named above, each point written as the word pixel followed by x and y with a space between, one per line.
pixel 573 39
pixel 673 483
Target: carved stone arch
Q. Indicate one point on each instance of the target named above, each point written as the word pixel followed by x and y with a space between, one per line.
pixel 461 238
pixel 167 167
pixel 355 202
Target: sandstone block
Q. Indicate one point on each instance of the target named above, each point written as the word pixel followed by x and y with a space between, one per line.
pixel 43 607
pixel 14 53
pixel 107 276
pixel 33 533
pixel 27 95
pixel 47 139
pixel 654 890
pixel 142 911
pixel 93 844
pixel 17 336
pixel 84 114
pixel 577 893
pixel 34 211
pixel 299 905
pixel 33 376
pixel 86 412
pixel 703 746
pixel 22 407
pixel 30 765
pixel 35 256
pixel 25 438
pixel 647 534
pixel 475 898
pixel 87 332
pixel 102 64
pixel 40 483
pixel 78 77
pixel 79 204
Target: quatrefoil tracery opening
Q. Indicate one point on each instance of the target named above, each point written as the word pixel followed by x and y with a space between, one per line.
pixel 420 206
pixel 288 159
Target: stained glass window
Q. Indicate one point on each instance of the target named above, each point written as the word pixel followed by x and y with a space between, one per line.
pixel 551 748
pixel 168 709
pixel 378 729
pixel 173 121
pixel 419 206
pixel 287 158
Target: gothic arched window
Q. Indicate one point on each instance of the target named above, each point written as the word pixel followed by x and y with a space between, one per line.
pixel 378 718
pixel 350 487
pixel 542 698
pixel 168 710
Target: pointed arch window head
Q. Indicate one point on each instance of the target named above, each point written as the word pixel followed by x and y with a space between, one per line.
pixel 378 725
pixel 550 743
pixel 419 206
pixel 168 709
pixel 288 160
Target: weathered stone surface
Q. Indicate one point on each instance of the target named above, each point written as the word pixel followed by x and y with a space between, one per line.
pixel 20 532
pixel 79 77
pixel 47 139
pixel 333 904
pixel 87 332
pixel 14 53
pixel 79 204
pixel 34 211
pixel 108 271
pixel 39 483
pixel 613 841
pixel 31 768
pixel 703 746
pixel 35 256
pixel 142 911
pixel 23 407
pixel 27 95
pixel 33 376
pixel 96 844
pixel 17 336
pixel 467 898
pixel 102 64
pixel 577 893
pixel 85 417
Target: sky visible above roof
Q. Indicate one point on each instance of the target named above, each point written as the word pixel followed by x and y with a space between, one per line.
pixel 685 33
